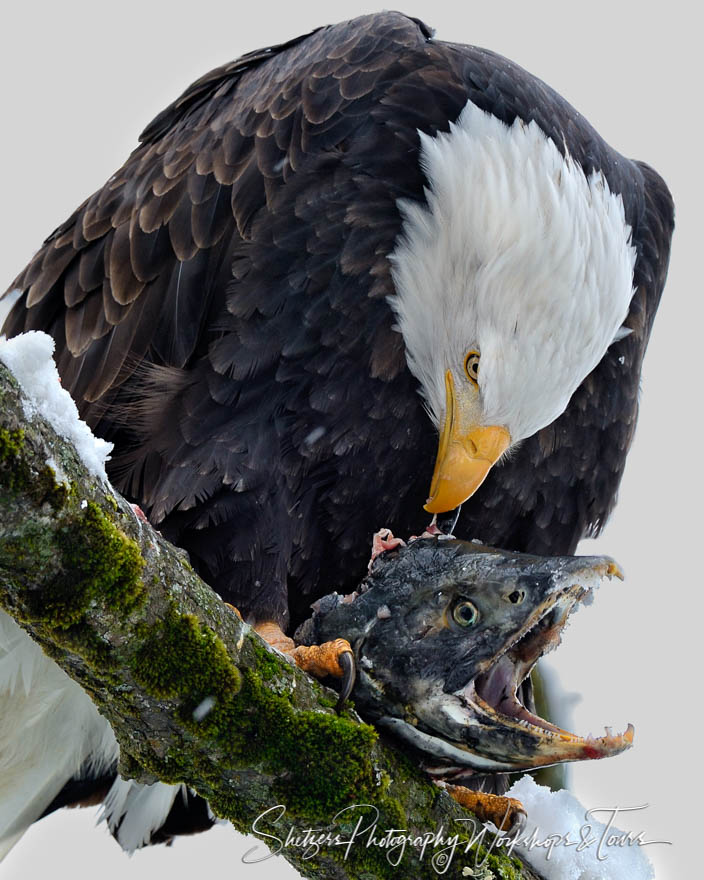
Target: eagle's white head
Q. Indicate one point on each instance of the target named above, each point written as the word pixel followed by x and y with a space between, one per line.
pixel 511 283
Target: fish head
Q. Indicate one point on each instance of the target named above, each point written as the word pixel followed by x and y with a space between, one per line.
pixel 444 632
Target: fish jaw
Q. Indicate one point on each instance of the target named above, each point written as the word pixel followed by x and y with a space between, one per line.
pixel 483 725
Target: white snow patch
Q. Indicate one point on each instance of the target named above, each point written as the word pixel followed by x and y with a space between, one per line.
pixel 583 847
pixel 59 473
pixel 29 357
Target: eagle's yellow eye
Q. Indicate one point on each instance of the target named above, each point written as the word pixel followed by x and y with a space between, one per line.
pixel 471 367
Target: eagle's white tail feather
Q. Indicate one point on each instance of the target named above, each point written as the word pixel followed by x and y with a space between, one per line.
pixel 49 729
pixel 137 810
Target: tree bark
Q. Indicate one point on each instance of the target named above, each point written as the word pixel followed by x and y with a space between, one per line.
pixel 193 694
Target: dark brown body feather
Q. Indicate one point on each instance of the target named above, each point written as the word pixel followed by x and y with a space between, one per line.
pixel 219 310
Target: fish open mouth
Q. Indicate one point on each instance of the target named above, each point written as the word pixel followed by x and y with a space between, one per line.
pixel 493 695
pixel 444 635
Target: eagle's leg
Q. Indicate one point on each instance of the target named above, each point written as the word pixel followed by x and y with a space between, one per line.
pixel 508 814
pixel 331 658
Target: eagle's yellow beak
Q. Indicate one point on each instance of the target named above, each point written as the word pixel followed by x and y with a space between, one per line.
pixel 464 456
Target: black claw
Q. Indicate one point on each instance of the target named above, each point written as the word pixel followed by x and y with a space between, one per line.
pixel 346 661
pixel 517 825
pixel 446 522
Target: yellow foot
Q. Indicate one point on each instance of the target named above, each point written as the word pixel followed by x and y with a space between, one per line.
pixel 331 658
pixel 506 813
pixel 325 659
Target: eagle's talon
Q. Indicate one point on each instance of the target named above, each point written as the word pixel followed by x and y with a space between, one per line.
pixel 334 658
pixel 518 824
pixel 346 661
pixel 322 660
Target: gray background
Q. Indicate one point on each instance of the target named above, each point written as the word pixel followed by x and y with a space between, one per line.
pixel 80 80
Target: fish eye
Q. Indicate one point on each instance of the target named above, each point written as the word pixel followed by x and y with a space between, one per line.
pixel 516 597
pixel 471 367
pixel 465 613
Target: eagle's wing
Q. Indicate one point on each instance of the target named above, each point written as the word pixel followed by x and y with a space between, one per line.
pixel 142 266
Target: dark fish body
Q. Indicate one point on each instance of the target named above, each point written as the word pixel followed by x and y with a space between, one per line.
pixel 444 633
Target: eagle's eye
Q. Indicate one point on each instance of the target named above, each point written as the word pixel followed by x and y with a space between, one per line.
pixel 465 613
pixel 471 366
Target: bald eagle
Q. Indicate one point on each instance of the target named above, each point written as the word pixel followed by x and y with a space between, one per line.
pixel 340 280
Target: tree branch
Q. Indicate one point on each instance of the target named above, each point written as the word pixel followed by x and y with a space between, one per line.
pixel 125 615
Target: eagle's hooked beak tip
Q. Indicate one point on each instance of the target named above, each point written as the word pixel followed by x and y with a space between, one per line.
pixel 464 457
